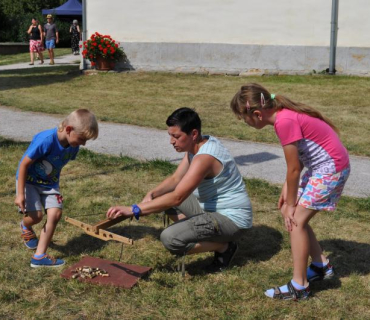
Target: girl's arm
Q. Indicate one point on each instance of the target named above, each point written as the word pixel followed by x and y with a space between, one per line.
pixel 294 169
pixel 29 29
pixel 283 194
pixel 22 176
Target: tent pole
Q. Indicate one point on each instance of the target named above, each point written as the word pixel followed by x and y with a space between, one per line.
pixel 84 33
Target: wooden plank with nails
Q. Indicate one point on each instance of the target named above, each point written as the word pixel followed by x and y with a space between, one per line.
pixel 106 223
pixel 101 233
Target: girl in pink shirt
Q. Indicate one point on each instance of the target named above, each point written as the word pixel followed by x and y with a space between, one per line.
pixel 309 140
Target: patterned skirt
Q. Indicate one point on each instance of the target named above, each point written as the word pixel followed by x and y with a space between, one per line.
pixel 36 46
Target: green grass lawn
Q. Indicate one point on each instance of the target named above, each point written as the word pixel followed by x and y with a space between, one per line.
pixel 146 99
pixel 94 182
pixel 6 59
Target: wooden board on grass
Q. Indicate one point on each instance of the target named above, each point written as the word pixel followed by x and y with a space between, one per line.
pixel 120 274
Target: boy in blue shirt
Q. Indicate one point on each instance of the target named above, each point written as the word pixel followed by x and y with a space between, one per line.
pixel 38 179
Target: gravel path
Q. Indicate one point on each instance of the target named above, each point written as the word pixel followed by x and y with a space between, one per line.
pixel 255 160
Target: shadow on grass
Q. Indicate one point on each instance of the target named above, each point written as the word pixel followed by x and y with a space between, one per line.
pixel 6 143
pixel 88 244
pixel 348 257
pixel 259 243
pixel 28 78
pixel 255 158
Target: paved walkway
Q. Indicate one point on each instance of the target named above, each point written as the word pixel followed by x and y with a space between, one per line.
pixel 255 160
pixel 68 59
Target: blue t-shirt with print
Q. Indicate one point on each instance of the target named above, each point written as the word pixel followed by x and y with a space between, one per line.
pixel 50 157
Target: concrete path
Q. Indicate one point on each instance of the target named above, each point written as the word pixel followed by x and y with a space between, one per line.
pixel 68 59
pixel 255 160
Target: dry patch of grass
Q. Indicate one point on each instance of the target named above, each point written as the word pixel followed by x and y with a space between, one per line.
pixel 94 182
pixel 146 99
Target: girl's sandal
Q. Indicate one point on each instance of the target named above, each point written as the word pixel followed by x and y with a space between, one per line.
pixel 324 273
pixel 292 294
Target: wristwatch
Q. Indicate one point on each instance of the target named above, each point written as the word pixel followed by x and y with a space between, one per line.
pixel 136 211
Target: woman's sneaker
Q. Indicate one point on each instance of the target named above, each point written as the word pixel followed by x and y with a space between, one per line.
pixel 223 260
pixel 29 238
pixel 315 273
pixel 46 261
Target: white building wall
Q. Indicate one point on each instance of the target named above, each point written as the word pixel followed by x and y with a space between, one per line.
pixel 216 26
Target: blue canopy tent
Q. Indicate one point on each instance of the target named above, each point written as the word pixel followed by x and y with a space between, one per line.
pixel 70 8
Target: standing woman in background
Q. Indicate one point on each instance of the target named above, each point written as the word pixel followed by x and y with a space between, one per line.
pixel 36 41
pixel 75 32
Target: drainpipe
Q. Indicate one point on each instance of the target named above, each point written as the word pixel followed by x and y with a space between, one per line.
pixel 84 33
pixel 333 36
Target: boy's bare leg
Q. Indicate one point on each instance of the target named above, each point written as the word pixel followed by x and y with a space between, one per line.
pixel 47 232
pixel 32 218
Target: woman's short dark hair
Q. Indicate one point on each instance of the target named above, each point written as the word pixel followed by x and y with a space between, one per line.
pixel 186 119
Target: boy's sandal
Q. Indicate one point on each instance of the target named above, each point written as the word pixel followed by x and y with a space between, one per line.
pixel 27 235
pixel 292 294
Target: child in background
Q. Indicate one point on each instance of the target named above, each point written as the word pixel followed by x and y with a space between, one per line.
pixel 38 180
pixel 309 140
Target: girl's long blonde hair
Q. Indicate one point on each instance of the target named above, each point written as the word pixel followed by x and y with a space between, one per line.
pixel 253 96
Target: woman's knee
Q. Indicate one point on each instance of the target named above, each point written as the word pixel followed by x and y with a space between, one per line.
pixel 173 243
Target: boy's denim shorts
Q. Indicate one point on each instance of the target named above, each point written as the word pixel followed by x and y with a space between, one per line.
pixel 39 198
pixel 50 44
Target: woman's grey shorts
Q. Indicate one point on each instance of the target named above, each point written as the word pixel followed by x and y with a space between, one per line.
pixel 198 226
pixel 39 198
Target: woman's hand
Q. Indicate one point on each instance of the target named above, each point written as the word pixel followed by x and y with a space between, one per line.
pixel 115 212
pixel 287 211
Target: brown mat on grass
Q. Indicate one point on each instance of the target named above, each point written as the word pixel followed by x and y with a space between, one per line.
pixel 120 274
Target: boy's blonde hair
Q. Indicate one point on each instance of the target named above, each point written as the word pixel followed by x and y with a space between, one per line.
pixel 83 122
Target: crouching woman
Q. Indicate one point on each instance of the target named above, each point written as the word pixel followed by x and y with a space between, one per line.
pixel 206 196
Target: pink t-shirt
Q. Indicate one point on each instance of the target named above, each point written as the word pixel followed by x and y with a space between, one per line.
pixel 319 146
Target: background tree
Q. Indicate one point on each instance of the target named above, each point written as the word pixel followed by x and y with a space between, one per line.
pixel 16 15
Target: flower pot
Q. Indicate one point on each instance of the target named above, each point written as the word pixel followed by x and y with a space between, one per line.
pixel 104 64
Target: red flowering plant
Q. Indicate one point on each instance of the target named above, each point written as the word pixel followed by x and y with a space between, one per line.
pixel 102 46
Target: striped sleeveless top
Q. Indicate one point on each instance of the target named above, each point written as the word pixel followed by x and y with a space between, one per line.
pixel 225 193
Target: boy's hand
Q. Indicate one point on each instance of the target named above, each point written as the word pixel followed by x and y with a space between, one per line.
pixel 115 212
pixel 20 201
